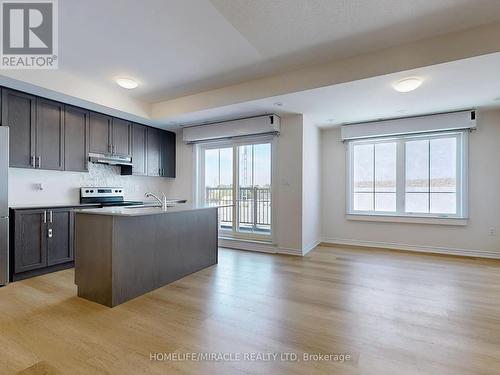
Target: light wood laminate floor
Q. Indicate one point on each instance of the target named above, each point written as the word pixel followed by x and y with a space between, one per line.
pixel 394 312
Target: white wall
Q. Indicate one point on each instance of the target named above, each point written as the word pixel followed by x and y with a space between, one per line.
pixel 484 201
pixel 311 186
pixel 289 189
pixel 63 187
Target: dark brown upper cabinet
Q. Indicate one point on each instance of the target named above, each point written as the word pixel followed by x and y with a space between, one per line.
pixel 19 114
pixel 109 135
pixel 76 139
pixel 120 137
pixel 168 154
pixel 36 130
pixel 51 135
pixel 154 143
pixel 139 147
pixel 100 134
pixel 160 153
pixel 49 149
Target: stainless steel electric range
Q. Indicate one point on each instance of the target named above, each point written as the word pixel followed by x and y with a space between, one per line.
pixel 106 197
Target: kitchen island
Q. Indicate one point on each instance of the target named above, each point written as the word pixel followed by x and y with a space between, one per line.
pixel 122 253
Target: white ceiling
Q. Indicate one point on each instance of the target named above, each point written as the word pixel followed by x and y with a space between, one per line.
pixel 462 84
pixel 178 47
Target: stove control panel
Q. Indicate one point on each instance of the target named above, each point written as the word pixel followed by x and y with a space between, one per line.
pixel 101 192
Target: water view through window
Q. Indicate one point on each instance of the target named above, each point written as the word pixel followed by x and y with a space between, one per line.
pixel 407 175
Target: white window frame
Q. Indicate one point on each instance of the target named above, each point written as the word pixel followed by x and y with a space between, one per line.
pixel 462 177
pixel 200 181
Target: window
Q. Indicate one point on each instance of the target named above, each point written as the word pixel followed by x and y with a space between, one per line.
pixel 238 174
pixel 410 175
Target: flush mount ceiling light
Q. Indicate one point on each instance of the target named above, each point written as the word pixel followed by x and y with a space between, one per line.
pixel 127 83
pixel 407 84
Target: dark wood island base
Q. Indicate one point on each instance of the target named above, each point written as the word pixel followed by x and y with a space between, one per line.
pixel 124 253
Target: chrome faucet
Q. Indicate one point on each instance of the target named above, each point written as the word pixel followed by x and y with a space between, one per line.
pixel 163 203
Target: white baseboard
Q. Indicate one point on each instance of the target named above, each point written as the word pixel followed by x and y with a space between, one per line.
pixel 262 247
pixel 258 246
pixel 415 248
pixel 310 247
pixel 289 251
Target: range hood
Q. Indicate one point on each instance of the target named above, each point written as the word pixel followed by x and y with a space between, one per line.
pixel 110 159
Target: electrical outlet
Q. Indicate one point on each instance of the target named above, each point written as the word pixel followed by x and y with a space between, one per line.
pixel 492 232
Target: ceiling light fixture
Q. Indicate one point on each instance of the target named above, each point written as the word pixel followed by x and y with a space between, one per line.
pixel 127 83
pixel 407 84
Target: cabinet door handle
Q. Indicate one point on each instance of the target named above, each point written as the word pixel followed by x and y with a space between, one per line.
pixel 49 233
pixel 38 161
pixel 44 217
pixel 109 147
pixel 33 163
pixel 51 218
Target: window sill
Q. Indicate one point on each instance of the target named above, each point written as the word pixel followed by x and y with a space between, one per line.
pixel 409 219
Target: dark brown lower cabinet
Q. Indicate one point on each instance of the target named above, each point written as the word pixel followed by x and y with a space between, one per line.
pixel 60 237
pixel 30 242
pixel 42 242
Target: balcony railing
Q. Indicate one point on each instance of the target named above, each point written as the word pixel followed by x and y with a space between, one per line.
pixel 253 206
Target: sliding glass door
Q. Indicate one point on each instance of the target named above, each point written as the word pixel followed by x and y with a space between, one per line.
pixel 238 175
pixel 218 186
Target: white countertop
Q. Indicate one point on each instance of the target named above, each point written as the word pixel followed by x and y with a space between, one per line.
pixel 144 211
pixel 38 206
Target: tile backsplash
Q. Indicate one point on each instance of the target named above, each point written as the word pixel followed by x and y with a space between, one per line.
pixel 63 187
